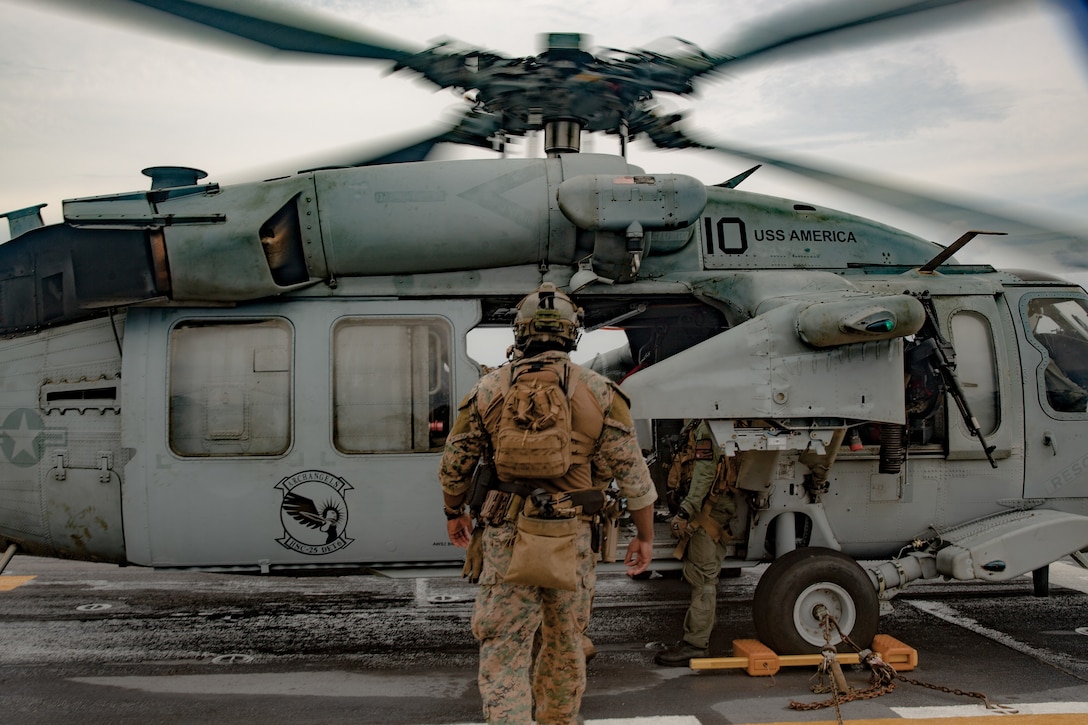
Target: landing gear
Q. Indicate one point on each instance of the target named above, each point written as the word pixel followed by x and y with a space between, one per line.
pixel 799 586
pixel 1040 581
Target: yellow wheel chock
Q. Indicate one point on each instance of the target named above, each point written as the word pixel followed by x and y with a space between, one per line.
pixel 757 659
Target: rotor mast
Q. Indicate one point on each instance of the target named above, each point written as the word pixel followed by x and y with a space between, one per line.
pixel 562 136
pixel 563 132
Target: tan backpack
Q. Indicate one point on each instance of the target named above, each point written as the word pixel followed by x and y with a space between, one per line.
pixel 533 439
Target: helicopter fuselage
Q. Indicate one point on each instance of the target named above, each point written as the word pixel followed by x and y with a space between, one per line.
pixel 269 387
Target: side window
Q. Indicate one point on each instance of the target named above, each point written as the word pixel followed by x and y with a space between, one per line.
pixel 976 368
pixel 391 385
pixel 230 387
pixel 1060 329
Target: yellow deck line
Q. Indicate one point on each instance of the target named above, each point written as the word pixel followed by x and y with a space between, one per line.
pixel 7 583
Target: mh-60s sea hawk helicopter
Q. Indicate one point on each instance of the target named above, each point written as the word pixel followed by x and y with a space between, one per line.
pixel 233 377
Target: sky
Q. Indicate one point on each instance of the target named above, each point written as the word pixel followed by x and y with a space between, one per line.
pixel 993 109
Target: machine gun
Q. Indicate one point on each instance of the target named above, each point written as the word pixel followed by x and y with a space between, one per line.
pixel 938 354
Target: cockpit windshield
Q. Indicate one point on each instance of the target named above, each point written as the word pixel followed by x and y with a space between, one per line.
pixel 1060 325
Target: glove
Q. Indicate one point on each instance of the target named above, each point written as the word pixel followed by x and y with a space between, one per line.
pixel 474 556
pixel 679 528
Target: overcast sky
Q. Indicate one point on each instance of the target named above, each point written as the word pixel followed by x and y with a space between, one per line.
pixel 995 108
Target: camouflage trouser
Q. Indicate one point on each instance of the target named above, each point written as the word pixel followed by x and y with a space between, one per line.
pixel 506 620
pixel 702 568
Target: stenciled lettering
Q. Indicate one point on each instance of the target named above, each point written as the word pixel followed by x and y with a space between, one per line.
pixel 1068 475
pixel 804 235
pixel 727 235
pixel 822 235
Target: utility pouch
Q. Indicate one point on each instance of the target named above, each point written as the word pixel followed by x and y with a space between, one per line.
pixel 683 541
pixel 545 553
pixel 496 504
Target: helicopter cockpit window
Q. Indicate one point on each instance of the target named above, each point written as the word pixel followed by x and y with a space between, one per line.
pixel 230 388
pixel 391 385
pixel 1060 327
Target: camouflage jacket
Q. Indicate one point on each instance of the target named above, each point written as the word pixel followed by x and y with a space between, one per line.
pixel 616 453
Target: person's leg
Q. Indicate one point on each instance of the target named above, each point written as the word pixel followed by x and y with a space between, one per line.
pixel 702 567
pixel 559 678
pixel 505 620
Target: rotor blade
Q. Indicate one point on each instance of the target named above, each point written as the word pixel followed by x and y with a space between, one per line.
pixel 417 151
pixel 794 25
pixel 1037 244
pixel 474 129
pixel 273 26
pixel 1076 12
pixel 663 131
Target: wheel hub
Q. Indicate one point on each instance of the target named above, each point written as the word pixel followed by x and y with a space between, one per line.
pixel 816 601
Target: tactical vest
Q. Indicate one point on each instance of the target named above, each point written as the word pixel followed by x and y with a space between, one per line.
pixel 586 423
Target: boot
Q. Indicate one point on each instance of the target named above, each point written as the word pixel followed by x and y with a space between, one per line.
pixel 679 655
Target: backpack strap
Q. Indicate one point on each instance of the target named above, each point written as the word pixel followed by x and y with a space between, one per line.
pixel 583 445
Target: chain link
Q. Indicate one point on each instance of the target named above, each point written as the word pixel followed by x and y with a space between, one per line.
pixel 963 693
pixel 882 677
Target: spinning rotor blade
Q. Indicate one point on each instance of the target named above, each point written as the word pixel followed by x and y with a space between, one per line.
pixel 640 74
pixel 612 92
pixel 792 26
pixel 564 83
pixel 663 131
pixel 281 28
pixel 1034 244
pixel 474 129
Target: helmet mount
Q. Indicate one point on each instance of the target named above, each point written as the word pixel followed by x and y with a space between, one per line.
pixel 546 315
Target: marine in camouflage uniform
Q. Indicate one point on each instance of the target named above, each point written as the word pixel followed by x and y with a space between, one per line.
pixel 706 532
pixel 507 618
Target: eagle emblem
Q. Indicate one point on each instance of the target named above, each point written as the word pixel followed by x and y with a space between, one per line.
pixel 314 512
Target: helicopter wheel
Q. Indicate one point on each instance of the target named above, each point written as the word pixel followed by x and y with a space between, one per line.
pixel 786 606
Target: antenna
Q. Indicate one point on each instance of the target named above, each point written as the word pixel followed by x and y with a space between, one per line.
pixel 931 266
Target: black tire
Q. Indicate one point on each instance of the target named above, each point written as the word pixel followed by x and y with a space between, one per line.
pixel 789 592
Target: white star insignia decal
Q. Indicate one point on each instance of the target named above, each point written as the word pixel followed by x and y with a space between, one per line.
pixel 22 439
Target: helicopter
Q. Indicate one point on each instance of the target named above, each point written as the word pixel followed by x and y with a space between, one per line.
pixel 259 377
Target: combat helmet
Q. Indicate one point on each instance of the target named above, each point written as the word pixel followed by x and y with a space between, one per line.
pixel 547 315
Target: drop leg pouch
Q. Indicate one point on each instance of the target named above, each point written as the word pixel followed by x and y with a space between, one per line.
pixel 545 554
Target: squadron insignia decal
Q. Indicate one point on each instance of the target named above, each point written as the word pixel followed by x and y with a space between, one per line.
pixel 314 513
